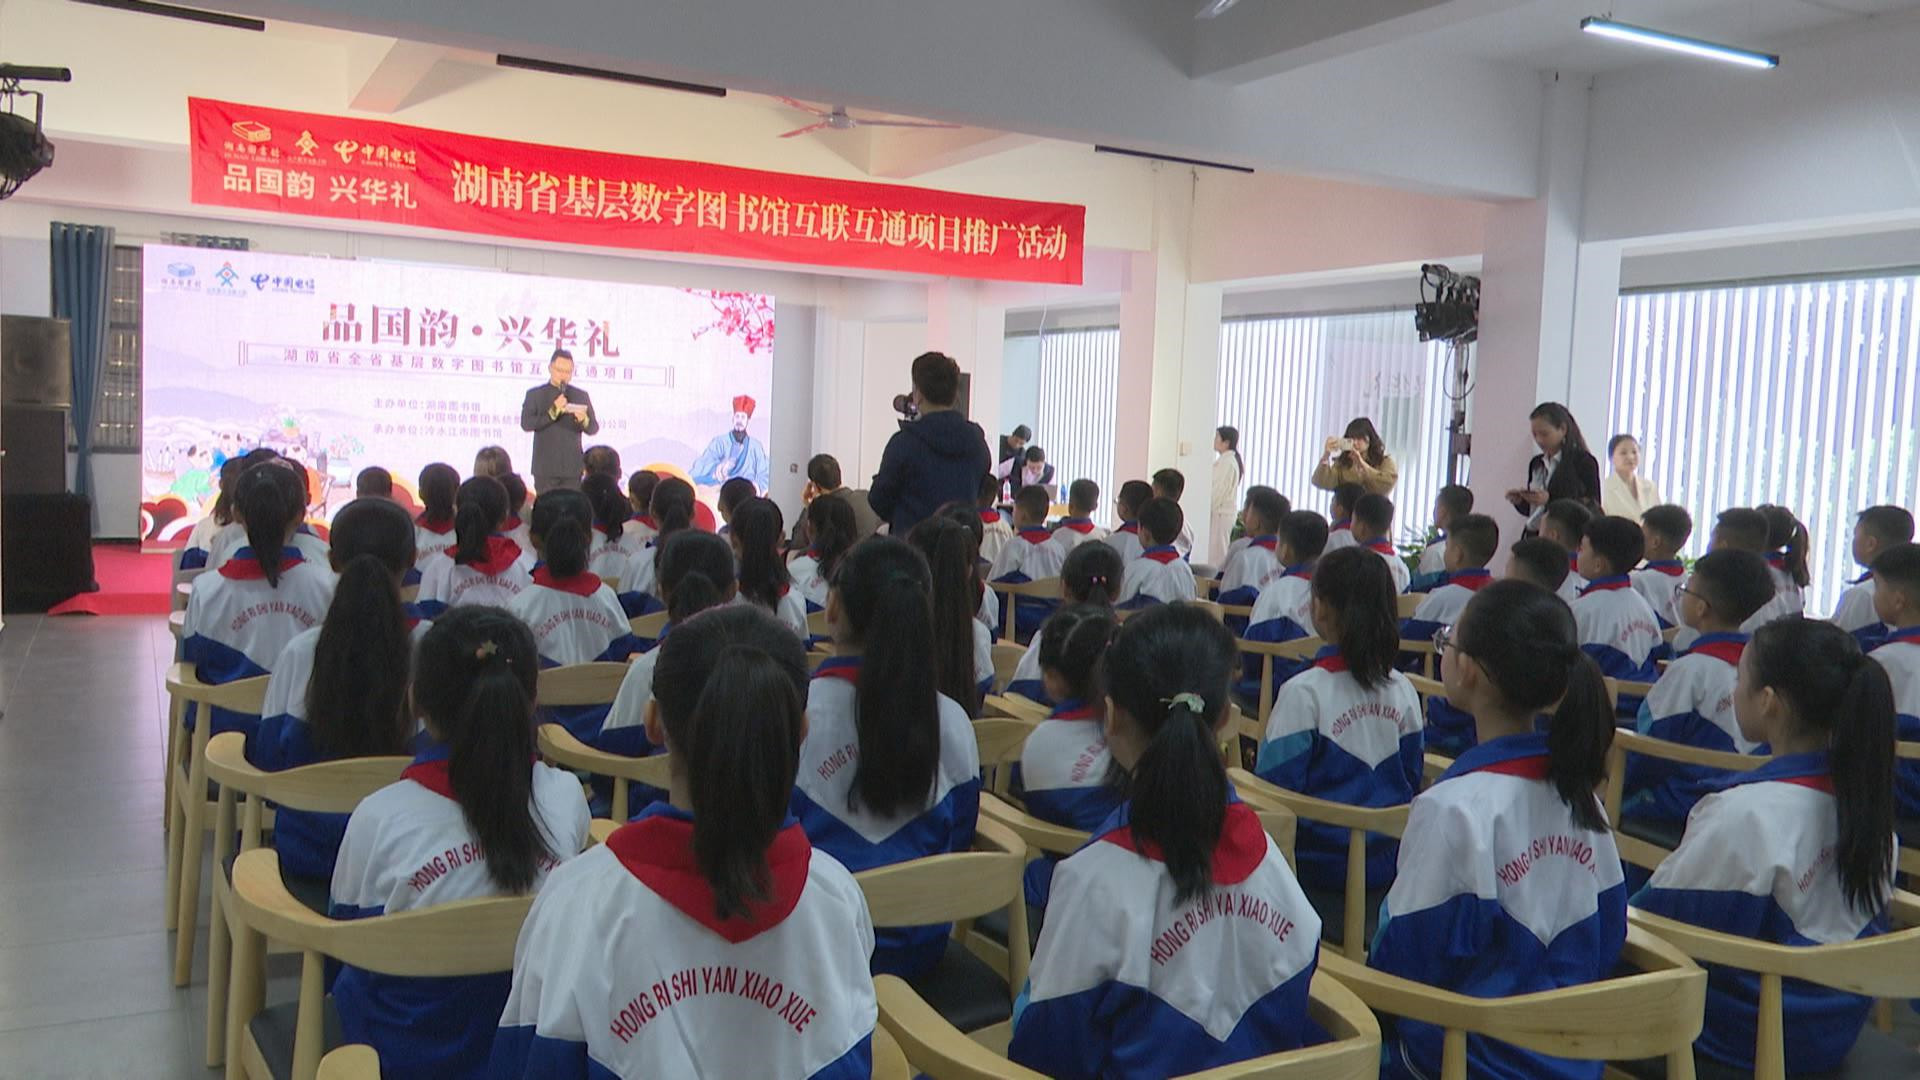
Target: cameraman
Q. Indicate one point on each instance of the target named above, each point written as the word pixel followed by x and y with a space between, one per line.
pixel 1357 457
pixel 933 460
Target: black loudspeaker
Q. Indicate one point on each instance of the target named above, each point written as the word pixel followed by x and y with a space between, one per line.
pixel 36 361
pixel 46 549
pixel 35 440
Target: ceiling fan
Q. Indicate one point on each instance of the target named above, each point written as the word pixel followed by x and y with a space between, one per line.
pixel 838 119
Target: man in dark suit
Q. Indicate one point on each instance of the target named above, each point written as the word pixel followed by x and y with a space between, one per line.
pixel 558 413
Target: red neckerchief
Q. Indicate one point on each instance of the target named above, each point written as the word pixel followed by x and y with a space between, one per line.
pixel 502 553
pixel 1381 546
pixel 1907 634
pixel 1727 650
pixel 1162 555
pixel 647 520
pixel 581 584
pixel 1072 710
pixel 1035 536
pixel 510 524
pixel 1083 526
pixel 244 565
pixel 1343 525
pixel 1239 852
pixel 1472 580
pixel 658 850
pixel 989 517
pixel 1329 659
pixel 1669 567
pixel 1530 768
pixel 443 527
pixel 1131 528
pixel 844 668
pixel 1822 782
pixel 1573 561
pixel 1777 560
pixel 431 775
pixel 1607 584
pixel 1267 543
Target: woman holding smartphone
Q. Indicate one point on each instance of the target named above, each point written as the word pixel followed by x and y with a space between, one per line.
pixel 1563 469
pixel 1357 457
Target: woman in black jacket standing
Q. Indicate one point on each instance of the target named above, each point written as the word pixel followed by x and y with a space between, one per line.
pixel 1563 469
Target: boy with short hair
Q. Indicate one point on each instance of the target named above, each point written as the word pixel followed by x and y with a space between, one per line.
pixel 1539 560
pixel 1252 561
pixel 1692 704
pixel 1454 502
pixel 1667 529
pixel 1029 556
pixel 1083 497
pixel 1372 529
pixel 994 528
pixel 1472 541
pixel 1340 514
pixel 1878 529
pixel 1172 484
pixel 1126 538
pixel 1564 522
pixel 1896 602
pixel 1615 623
pixel 732 494
pixel 373 482
pixel 1159 575
pixel 1281 613
pixel 1742 529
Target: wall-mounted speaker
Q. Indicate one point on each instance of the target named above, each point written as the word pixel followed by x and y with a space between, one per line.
pixel 36 361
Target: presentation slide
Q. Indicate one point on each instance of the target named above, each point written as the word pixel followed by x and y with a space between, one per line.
pixel 341 364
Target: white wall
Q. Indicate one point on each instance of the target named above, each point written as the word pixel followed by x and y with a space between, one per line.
pixel 1019 386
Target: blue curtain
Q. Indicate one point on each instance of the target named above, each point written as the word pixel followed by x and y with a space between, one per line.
pixel 82 259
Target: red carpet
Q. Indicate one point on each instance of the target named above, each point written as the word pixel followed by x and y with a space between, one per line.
pixel 131 583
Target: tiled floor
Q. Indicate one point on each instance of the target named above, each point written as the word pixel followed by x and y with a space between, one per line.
pixel 86 986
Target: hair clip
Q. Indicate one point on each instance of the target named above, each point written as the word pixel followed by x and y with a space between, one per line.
pixel 1188 700
pixel 486 650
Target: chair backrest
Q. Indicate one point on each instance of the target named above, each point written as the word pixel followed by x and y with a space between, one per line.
pixel 558 745
pixel 1267 652
pixel 1357 820
pixel 409 593
pixel 1006 661
pixel 1656 1012
pixel 1043 589
pixel 1427 687
pixel 327 787
pixel 355 1062
pixel 648 626
pixel 1627 741
pixel 593 683
pixel 240 695
pixel 1041 837
pixel 817 624
pixel 958 886
pixel 1408 603
pixel 1429 656
pixel 1014 705
pixel 1001 739
pixel 182 590
pixel 1220 611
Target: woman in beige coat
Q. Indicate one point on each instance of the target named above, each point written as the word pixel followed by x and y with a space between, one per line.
pixel 1357 457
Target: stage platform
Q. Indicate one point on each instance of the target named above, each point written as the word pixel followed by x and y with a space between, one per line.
pixel 132 582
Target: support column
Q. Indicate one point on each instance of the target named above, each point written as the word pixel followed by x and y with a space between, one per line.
pixel 964 323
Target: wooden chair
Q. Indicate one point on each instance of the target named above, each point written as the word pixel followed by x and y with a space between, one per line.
pixel 1642 850
pixel 1427 687
pixel 1043 589
pixel 935 1048
pixel 958 888
pixel 1669 634
pixel 329 787
pixel 190 813
pixel 1006 661
pixel 467 937
pixel 611 581
pixel 648 626
pixel 1887 966
pixel 1655 1013
pixel 1001 739
pixel 1268 651
pixel 818 626
pixel 1015 706
pixel 1408 603
pixel 1357 820
pixel 409 594
pixel 594 683
pixel 558 745
pixel 1221 611
pixel 182 589
pixel 355 1062
pixel 1429 656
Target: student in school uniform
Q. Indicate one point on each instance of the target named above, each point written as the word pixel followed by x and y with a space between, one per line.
pixel 1896 602
pixel 1373 530
pixel 829 530
pixel 611 545
pixel 1472 541
pixel 439 492
pixel 1172 484
pixel 995 529
pixel 1746 529
pixel 1125 537
pixel 1123 960
pixel 1798 851
pixel 640 527
pixel 1534 559
pixel 1030 556
pixel 1064 766
pixel 373 482
pixel 243 614
pixel 339 690
pixel 1877 529
pixel 1692 704
pixel 757 532
pixel 1666 528
pixel 1083 498
pixel 194 555
pixel 1787 556
pixel 718 879
pixel 696 574
pixel 732 494
pixel 478 788
pixel 575 618
pixel 483 566
pixel 1284 610
pixel 1090 577
pixel 1616 626
pixel 1253 561
pixel 1348 729
pixel 1454 502
pixel 1340 516
pixel 515 528
pixel 1564 522
pixel 492 461
pixel 1159 575
pixel 889 770
pixel 1459 916
pixel 672 512
pixel 234 536
pixel 962 645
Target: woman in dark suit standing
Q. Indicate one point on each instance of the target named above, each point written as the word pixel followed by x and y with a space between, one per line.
pixel 1563 469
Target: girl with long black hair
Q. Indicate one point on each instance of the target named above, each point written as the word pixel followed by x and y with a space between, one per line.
pixel 756 533
pixel 1787 555
pixel 830 526
pixel 696 573
pixel 716 878
pixel 439 492
pixel 962 644
pixel 672 512
pixel 475 815
pixel 1179 897
pixel 910 786
pixel 1800 850
pixel 612 547
pixel 1509 881
pixel 1090 577
pixel 484 566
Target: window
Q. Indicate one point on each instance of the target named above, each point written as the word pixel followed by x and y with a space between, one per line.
pixel 1079 381
pixel 1800 393
pixel 116 409
pixel 1290 382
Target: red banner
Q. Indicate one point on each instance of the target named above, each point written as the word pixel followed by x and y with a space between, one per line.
pixel 368 170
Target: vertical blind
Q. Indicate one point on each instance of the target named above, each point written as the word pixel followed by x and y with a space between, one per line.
pixel 1796 393
pixel 1290 382
pixel 1079 378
